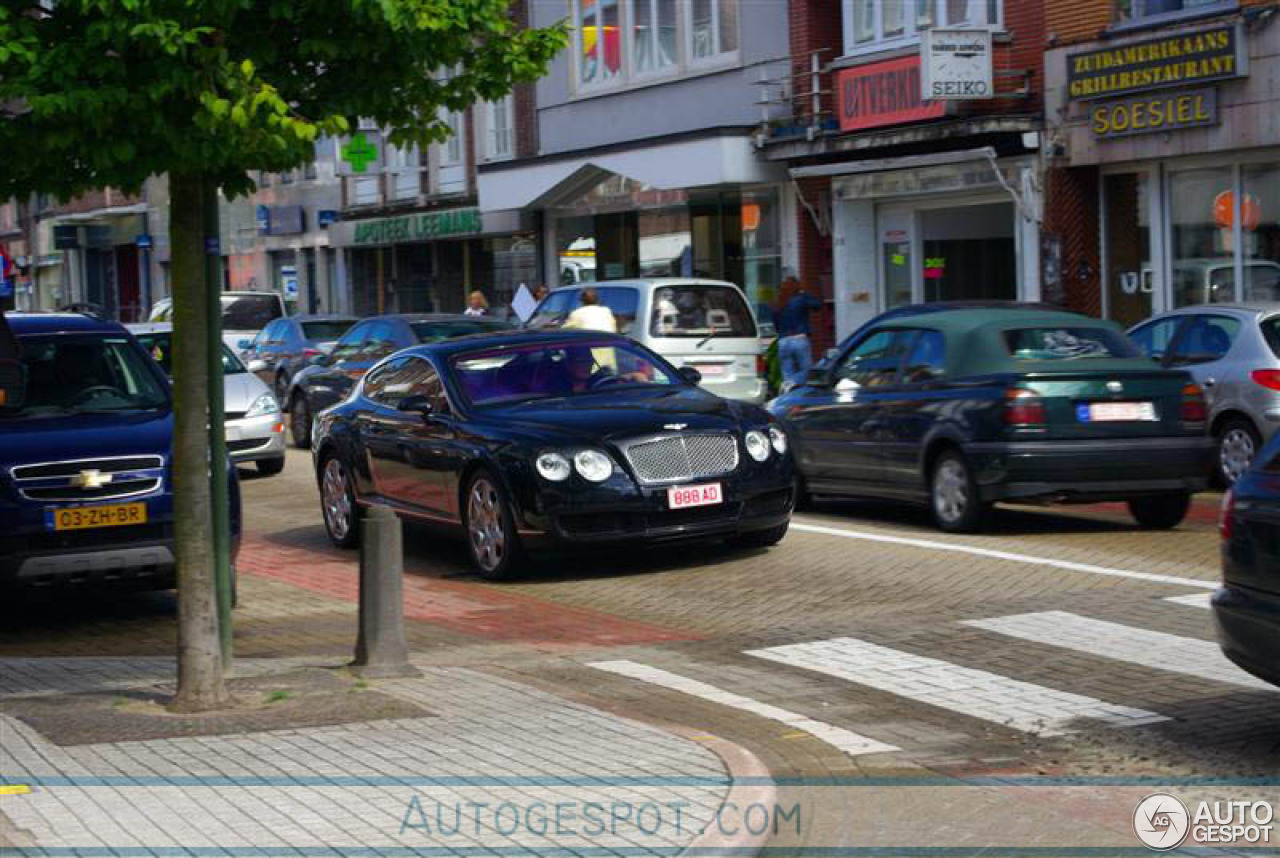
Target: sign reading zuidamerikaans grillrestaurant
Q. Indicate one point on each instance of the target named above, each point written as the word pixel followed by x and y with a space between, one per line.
pixel 1175 60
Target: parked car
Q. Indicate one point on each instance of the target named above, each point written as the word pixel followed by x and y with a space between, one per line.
pixel 329 379
pixel 1246 608
pixel 86 476
pixel 704 324
pixel 243 314
pixel 290 343
pixel 1233 352
pixel 963 408
pixel 529 440
pixel 254 424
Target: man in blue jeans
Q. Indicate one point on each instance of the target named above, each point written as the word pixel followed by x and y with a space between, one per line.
pixel 794 352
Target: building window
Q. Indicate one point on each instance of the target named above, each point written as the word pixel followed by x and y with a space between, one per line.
pixel 623 41
pixel 499 127
pixel 872 25
pixel 1136 10
pixel 451 172
pixel 404 168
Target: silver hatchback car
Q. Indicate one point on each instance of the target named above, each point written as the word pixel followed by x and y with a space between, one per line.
pixel 1233 352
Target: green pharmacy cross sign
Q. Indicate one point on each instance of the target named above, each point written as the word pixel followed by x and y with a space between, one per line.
pixel 359 153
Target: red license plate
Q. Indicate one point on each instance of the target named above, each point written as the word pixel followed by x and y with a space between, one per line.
pixel 682 497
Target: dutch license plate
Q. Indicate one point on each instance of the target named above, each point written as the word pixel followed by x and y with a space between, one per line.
pixel 81 517
pixel 1101 412
pixel 683 497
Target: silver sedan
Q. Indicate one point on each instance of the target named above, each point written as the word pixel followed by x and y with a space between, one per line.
pixel 1233 352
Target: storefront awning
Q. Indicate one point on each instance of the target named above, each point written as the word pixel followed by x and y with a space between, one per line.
pixel 102 214
pixel 700 162
pixel 906 162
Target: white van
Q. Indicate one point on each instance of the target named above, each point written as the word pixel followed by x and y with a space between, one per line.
pixel 704 324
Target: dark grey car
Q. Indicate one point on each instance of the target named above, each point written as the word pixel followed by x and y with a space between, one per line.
pixel 288 344
pixel 1233 352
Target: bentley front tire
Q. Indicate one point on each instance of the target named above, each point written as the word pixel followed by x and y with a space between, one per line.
pixel 492 541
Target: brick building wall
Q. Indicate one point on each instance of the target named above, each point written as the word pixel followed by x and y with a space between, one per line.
pixel 1072 215
pixel 1085 20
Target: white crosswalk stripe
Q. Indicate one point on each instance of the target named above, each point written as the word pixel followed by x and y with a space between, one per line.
pixel 976 693
pixel 1195 600
pixel 1158 650
pixel 849 742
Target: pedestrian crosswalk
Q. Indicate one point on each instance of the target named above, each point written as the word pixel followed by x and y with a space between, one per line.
pixel 982 693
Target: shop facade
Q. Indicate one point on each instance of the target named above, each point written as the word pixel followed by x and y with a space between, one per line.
pixel 428 262
pixel 1169 139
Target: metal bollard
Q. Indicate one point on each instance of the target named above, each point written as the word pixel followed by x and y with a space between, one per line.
pixel 381 650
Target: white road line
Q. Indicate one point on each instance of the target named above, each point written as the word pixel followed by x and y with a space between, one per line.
pixel 976 693
pixel 1157 650
pixel 1195 600
pixel 851 743
pixel 935 545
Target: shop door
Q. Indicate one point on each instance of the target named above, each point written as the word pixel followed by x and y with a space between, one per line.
pixel 898 270
pixel 1129 277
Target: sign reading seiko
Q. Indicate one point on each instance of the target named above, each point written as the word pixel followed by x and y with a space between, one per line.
pixel 955 65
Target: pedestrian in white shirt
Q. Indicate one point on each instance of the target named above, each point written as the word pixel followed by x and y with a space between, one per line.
pixel 477 304
pixel 592 315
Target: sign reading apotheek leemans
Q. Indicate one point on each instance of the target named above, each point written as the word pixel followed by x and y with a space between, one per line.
pixel 421 227
pixel 1161 111
pixel 1185 58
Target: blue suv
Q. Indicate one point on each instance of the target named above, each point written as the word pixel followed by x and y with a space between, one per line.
pixel 86 478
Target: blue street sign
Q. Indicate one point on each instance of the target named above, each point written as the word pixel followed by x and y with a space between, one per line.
pixel 211 245
pixel 324 217
pixel 143 241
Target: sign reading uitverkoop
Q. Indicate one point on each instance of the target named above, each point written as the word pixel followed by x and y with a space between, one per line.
pixel 1175 60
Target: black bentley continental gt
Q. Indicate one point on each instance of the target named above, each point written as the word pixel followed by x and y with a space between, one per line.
pixel 533 440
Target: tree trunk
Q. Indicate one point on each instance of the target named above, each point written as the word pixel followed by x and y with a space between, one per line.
pixel 200 668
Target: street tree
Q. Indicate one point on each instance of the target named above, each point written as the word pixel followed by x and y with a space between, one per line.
pixel 106 93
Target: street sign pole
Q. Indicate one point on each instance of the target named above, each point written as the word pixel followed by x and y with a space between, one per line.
pixel 219 496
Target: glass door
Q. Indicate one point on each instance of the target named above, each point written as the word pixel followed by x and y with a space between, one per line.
pixel 896 227
pixel 1129 277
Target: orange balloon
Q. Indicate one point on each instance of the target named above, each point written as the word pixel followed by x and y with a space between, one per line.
pixel 1224 211
pixel 750 216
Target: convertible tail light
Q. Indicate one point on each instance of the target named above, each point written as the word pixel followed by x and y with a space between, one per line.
pixel 1269 378
pixel 1225 513
pixel 1023 407
pixel 1193 407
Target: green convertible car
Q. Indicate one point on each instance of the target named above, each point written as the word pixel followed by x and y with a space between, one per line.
pixel 963 408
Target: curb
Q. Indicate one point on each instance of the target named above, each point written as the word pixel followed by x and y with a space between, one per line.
pixel 741 765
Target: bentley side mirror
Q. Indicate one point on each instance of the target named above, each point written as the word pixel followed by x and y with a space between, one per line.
pixel 691 375
pixel 417 404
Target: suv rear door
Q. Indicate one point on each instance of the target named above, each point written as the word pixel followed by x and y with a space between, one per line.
pixel 709 327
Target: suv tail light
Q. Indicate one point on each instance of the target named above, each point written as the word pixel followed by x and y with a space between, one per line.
pixel 762 366
pixel 1225 513
pixel 1269 378
pixel 309 352
pixel 1023 407
pixel 1193 408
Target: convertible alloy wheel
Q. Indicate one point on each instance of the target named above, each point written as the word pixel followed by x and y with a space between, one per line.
pixel 1236 448
pixel 338 504
pixel 490 532
pixel 954 496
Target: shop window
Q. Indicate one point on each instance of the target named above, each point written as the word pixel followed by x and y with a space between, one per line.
pixel 1201 236
pixel 969 253
pixel 1260 231
pixel 872 25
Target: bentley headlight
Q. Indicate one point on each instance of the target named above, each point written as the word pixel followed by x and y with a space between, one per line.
pixel 264 404
pixel 778 438
pixel 757 445
pixel 593 465
pixel 553 467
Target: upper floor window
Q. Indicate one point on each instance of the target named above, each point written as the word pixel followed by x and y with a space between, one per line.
pixel 872 25
pixel 451 149
pixel 622 41
pixel 499 139
pixel 1136 10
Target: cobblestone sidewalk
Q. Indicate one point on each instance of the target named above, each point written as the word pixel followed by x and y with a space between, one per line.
pixel 496 768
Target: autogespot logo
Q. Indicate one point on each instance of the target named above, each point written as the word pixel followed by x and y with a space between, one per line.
pixel 1161 821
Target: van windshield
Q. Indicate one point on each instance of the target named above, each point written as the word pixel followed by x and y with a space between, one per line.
pixel 249 312
pixel 77 375
pixel 700 311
